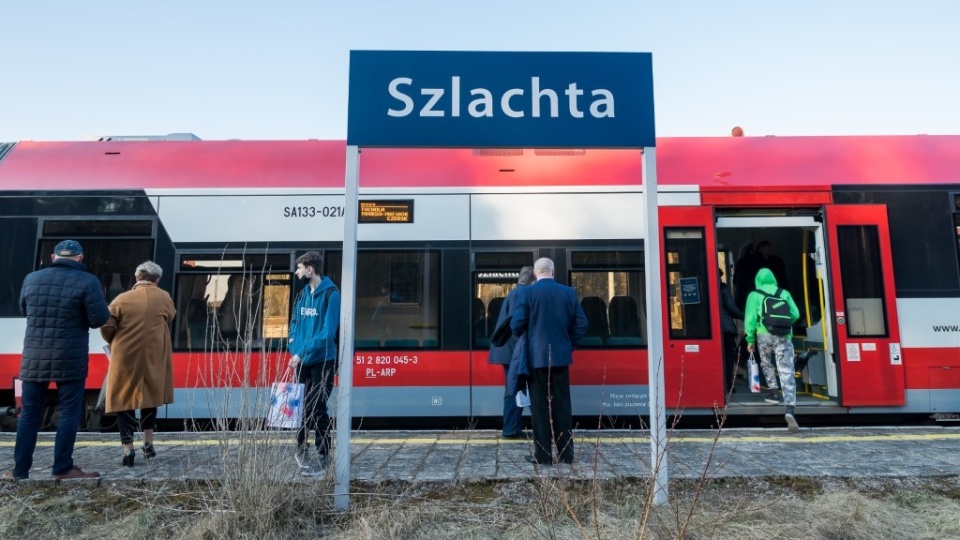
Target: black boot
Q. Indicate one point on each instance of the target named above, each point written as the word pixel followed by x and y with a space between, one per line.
pixel 148 451
pixel 128 458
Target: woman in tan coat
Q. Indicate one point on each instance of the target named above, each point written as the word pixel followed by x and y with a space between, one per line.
pixel 141 366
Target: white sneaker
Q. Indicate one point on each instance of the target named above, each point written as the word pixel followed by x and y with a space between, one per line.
pixel 303 457
pixel 792 425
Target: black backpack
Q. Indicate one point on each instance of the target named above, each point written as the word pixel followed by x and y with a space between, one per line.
pixel 775 314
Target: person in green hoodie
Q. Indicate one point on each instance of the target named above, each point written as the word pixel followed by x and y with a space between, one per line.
pixel 769 316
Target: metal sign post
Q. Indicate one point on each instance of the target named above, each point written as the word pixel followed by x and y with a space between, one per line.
pixel 651 262
pixel 348 294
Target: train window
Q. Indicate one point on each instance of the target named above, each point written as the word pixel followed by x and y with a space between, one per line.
pixel 398 300
pixel 113 261
pixel 688 295
pixel 956 230
pixel 229 301
pixel 495 274
pixel 611 287
pixel 862 279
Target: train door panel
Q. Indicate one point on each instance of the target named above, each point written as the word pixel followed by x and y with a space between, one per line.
pixel 692 339
pixel 868 331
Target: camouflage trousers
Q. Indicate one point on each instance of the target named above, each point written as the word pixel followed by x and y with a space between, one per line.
pixel 781 348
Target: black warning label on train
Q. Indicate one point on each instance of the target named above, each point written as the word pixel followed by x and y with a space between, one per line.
pixel 392 211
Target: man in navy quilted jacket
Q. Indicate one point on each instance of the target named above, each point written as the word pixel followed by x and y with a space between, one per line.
pixel 62 303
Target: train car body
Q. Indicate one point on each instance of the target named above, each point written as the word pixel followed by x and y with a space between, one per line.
pixel 868 229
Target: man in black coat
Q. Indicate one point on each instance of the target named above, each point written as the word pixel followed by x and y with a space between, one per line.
pixel 62 303
pixel 512 428
pixel 550 316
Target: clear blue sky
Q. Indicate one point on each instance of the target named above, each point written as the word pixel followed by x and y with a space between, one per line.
pixel 74 70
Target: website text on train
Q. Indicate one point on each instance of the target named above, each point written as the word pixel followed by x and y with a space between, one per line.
pixel 868 229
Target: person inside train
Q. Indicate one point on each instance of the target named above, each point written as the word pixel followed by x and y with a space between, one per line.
pixel 745 271
pixel 512 428
pixel 768 321
pixel 729 312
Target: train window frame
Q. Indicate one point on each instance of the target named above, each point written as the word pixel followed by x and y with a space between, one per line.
pixel 262 269
pixel 384 321
pixel 955 213
pixel 502 274
pixel 700 314
pixel 114 266
pixel 856 261
pixel 628 275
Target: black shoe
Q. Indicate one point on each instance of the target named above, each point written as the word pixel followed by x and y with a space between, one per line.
pixel 128 458
pixel 533 460
pixel 773 397
pixel 514 436
pixel 148 451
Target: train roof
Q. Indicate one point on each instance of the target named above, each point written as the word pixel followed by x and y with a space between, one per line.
pixel 712 163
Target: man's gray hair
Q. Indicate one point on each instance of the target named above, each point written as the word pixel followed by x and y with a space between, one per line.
pixel 526 276
pixel 543 267
pixel 148 271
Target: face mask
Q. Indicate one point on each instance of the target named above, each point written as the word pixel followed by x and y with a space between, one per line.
pixel 305 278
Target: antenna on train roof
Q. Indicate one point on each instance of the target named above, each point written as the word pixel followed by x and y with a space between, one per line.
pixel 167 137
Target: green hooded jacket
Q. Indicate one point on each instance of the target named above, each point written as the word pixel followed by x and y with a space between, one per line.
pixel 751 319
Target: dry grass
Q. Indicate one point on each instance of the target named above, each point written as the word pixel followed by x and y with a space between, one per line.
pixel 556 509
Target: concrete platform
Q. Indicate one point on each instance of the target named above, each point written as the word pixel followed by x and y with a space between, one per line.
pixel 464 456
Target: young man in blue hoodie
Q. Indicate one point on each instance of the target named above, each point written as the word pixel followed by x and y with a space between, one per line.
pixel 776 341
pixel 314 325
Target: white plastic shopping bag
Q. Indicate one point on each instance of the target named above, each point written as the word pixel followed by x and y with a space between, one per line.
pixel 286 404
pixel 754 371
pixel 523 398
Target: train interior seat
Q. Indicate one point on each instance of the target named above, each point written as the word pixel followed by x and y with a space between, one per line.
pixel 597 326
pixel 430 344
pixel 481 337
pixel 366 344
pixel 196 323
pixel 493 313
pixel 624 321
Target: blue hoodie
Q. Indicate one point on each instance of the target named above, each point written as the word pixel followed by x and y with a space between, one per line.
pixel 314 325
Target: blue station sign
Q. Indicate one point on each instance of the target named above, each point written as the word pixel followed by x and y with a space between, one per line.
pixel 469 99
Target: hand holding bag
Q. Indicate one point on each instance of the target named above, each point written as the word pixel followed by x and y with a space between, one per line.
pixel 754 372
pixel 523 398
pixel 286 403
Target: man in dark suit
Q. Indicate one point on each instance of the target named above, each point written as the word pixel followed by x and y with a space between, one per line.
pixel 512 429
pixel 551 316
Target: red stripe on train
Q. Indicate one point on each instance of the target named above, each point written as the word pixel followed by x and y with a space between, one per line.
pixel 926 368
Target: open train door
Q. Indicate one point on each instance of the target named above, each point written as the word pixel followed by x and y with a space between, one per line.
pixel 867 330
pixel 692 343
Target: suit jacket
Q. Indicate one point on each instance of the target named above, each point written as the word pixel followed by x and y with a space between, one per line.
pixel 551 317
pixel 502 355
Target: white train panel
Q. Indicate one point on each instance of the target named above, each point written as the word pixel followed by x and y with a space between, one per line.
pixel 305 218
pixel 929 322
pixel 555 215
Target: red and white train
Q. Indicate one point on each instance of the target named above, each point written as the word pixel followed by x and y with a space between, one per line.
pixel 868 228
